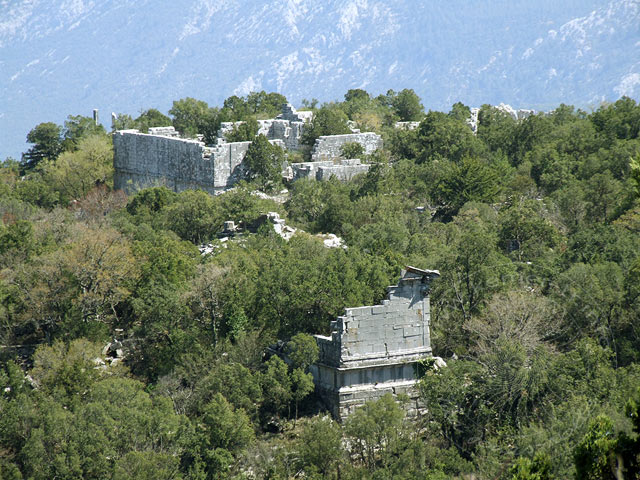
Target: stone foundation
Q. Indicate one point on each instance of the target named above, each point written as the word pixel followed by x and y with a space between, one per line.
pixel 343 170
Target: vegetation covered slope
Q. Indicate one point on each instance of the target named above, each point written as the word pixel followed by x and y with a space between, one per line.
pixel 533 224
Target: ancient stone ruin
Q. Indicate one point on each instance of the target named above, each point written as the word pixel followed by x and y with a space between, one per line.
pixel 376 350
pixel 342 169
pixel 142 160
pixel 162 157
pixel 328 147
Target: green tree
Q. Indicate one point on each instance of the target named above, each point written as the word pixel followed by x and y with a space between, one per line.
pixel 320 445
pixel 407 106
pixel 525 230
pixel 47 140
pixel 148 465
pixel 264 163
pixel 537 469
pixel 75 173
pixel 222 433
pixel 151 118
pixel 595 455
pixel 328 120
pixel 265 104
pixel 123 121
pixel 150 201
pixel 352 150
pixel 193 216
pixel 79 127
pixel 470 180
pixel 191 116
pixel 276 387
pixel 460 112
pixel 442 137
pixel 496 128
pixel 374 428
pixel 244 132
pixel 303 351
pixel 301 386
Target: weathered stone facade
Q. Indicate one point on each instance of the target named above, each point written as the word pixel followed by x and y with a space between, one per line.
pixel 329 147
pixel 146 160
pixel 343 170
pixel 161 157
pixel 287 127
pixel 374 350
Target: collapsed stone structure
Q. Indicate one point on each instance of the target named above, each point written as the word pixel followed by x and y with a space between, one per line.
pixel 287 127
pixel 328 147
pixel 342 169
pixel 161 157
pixel 376 350
pixel 517 115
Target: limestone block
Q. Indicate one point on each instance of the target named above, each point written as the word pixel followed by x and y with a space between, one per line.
pixel 328 147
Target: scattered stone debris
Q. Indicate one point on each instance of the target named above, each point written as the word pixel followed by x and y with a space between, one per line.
pixel 331 240
pixel 407 125
pixel 438 363
pixel 231 230
pixel 281 197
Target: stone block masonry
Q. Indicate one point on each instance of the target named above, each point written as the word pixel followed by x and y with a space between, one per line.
pixel 374 350
pixel 287 127
pixel 329 147
pixel 147 160
pixel 161 157
pixel 343 170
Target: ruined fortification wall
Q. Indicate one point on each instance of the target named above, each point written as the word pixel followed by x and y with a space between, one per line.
pixel 343 170
pixel 143 160
pixel 287 131
pixel 328 147
pixel 373 350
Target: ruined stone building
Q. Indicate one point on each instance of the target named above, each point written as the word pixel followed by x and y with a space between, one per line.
pixel 162 157
pixel 375 350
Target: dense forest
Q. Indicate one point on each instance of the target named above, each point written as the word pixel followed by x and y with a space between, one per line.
pixel 126 353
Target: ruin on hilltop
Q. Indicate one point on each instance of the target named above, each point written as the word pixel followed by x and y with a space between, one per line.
pixel 162 157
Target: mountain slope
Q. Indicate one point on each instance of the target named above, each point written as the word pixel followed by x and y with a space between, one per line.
pixel 61 57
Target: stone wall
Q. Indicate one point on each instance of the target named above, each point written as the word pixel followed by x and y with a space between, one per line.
pixel 144 160
pixel 374 350
pixel 343 170
pixel 328 147
pixel 407 125
pixel 286 127
pixel 161 157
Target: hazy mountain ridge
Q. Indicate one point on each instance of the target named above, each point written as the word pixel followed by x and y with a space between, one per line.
pixel 68 56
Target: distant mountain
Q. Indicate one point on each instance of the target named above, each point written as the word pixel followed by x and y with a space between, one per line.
pixel 60 57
